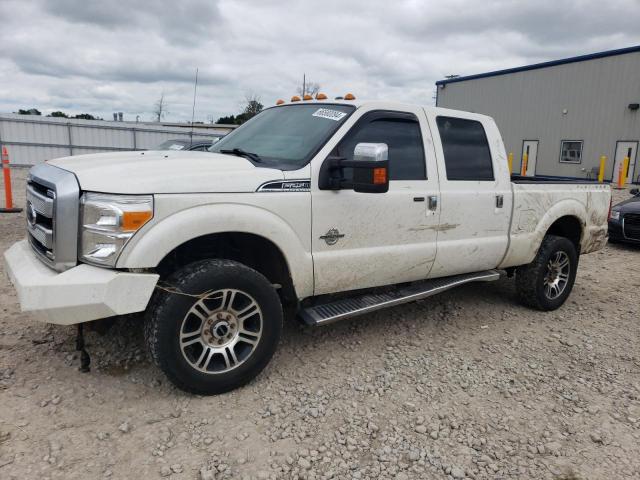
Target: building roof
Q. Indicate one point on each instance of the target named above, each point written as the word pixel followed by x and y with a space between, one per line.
pixel 535 66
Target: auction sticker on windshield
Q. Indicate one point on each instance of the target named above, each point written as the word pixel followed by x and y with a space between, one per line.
pixel 336 115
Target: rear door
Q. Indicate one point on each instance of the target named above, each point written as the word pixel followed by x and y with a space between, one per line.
pixel 475 193
pixel 362 240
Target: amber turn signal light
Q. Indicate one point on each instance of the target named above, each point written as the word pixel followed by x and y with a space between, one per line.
pixel 379 176
pixel 132 221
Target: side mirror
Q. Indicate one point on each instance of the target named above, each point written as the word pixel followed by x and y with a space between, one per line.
pixel 370 166
pixel 635 191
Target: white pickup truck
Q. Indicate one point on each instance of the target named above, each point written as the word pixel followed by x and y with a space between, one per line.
pixel 317 209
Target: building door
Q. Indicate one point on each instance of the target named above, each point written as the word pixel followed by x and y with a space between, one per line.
pixel 530 147
pixel 623 150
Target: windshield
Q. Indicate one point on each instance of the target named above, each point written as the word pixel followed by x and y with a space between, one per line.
pixel 286 137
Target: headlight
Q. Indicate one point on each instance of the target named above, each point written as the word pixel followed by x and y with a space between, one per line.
pixel 615 215
pixel 108 222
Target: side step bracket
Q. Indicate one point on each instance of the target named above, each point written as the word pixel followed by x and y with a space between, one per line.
pixel 332 311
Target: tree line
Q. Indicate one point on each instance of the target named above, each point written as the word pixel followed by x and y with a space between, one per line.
pixel 35 111
pixel 251 106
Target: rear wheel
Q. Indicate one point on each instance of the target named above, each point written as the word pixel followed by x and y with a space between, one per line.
pixel 546 282
pixel 219 332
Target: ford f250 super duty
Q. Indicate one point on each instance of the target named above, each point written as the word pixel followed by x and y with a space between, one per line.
pixel 317 209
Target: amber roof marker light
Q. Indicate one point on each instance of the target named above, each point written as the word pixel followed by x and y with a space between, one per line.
pixel 349 96
pixel 280 102
pixel 307 97
pixel 321 96
pixel 295 98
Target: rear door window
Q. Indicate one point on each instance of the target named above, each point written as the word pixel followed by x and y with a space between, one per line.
pixel 466 150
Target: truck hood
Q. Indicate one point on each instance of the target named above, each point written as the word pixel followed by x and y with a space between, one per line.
pixel 166 172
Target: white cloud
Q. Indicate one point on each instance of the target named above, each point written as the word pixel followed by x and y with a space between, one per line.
pixel 99 56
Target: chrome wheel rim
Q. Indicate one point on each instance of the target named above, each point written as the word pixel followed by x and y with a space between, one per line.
pixel 557 276
pixel 220 332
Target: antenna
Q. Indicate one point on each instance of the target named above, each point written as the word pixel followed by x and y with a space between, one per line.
pixel 193 110
pixel 304 84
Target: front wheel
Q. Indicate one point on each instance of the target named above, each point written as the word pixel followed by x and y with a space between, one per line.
pixel 217 327
pixel 546 282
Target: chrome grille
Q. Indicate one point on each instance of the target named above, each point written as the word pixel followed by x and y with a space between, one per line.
pixel 42 235
pixel 41 203
pixel 40 210
pixel 52 215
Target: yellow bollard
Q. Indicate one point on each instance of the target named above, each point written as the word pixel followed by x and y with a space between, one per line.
pixel 603 163
pixel 625 170
pixel 510 163
pixel 525 160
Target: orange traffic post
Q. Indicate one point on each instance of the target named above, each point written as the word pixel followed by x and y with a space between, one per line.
pixel 525 160
pixel 6 173
pixel 510 163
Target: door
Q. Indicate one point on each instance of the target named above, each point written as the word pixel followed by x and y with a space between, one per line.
pixel 362 240
pixel 530 148
pixel 475 192
pixel 623 150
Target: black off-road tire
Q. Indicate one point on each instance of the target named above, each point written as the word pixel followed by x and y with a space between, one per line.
pixel 167 311
pixel 530 278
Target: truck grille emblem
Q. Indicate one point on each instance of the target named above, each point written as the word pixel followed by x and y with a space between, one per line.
pixel 31 214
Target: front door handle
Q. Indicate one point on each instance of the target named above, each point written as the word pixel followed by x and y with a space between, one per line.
pixel 433 202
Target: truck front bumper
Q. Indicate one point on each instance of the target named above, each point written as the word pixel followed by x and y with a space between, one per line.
pixel 77 295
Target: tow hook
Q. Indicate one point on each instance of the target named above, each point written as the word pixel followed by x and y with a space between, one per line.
pixel 85 359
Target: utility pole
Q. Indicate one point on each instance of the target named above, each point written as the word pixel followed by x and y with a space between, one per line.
pixel 193 110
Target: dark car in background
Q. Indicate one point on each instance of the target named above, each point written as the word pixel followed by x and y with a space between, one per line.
pixel 624 222
pixel 187 145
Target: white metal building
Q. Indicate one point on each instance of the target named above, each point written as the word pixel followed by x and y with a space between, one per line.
pixel 32 139
pixel 566 113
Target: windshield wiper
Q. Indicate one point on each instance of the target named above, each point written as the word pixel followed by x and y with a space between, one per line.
pixel 241 153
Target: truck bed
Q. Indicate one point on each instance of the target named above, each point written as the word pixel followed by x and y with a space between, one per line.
pixel 538 202
pixel 550 180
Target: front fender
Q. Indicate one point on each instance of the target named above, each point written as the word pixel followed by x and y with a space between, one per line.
pixel 154 241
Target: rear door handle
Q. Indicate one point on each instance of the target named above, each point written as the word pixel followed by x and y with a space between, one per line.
pixel 499 201
pixel 433 202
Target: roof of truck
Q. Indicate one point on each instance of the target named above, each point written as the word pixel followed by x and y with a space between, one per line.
pixel 382 104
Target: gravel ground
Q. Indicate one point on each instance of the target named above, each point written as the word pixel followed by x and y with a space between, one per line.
pixel 465 384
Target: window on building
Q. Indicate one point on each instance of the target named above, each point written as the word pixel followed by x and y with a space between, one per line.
pixel 401 133
pixel 571 151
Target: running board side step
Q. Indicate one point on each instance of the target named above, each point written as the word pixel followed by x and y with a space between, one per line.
pixel 332 311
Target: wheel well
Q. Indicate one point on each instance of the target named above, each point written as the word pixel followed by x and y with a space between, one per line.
pixel 568 227
pixel 251 250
